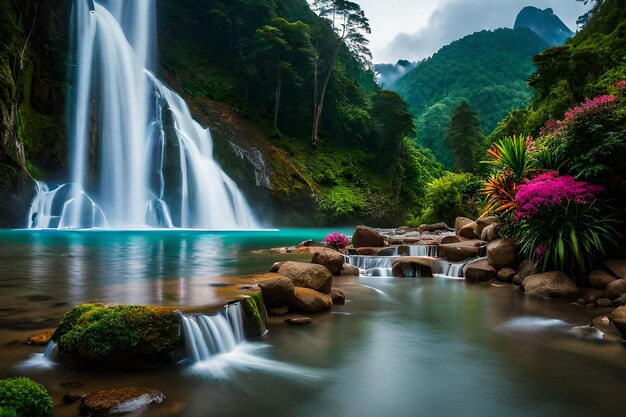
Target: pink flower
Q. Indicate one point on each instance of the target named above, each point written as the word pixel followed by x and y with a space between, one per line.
pixel 596 103
pixel 336 240
pixel 621 84
pixel 541 249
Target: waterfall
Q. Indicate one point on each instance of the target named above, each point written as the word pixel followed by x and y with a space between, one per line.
pixel 138 158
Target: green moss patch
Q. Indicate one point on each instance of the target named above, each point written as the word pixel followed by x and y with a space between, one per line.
pixel 23 397
pixel 253 314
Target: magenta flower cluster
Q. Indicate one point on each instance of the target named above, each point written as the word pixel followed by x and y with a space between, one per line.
pixel 336 240
pixel 595 104
pixel 551 189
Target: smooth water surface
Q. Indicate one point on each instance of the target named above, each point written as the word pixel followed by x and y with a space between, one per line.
pixel 401 347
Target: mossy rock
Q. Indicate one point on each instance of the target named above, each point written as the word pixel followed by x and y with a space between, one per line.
pixel 118 335
pixel 23 397
pixel 254 316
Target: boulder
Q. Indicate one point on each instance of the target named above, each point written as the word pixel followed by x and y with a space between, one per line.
pixel 423 264
pixel 621 301
pixel 618 318
pixel 616 288
pixel 276 266
pixel 331 259
pixel 468 231
pixel 313 276
pixel 457 252
pixel 41 337
pixel 480 271
pixel 554 284
pixel 366 236
pixel 483 222
pixel 506 274
pixel 600 279
pixel 525 269
pixel 617 267
pixel 433 227
pixel 119 401
pixel 603 323
pixel 367 251
pixel 277 290
pixel 604 302
pixel 449 239
pixel 460 222
pixel 388 251
pixel 338 296
pixel 349 270
pixel 306 300
pixel 491 232
pixel 502 253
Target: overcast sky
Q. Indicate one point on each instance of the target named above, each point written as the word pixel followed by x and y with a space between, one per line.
pixel 415 29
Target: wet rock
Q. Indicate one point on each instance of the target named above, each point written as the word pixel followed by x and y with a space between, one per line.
pixel 313 276
pixel 276 266
pixel 72 397
pixel 388 251
pixel 367 251
pixel 618 318
pixel 582 301
pixel 425 264
pixel 278 311
pixel 620 301
pixel 366 236
pixel 525 269
pixel 502 253
pixel 554 284
pixel 461 222
pixel 338 296
pixel 457 252
pixel 306 301
pixel 277 290
pixel 119 401
pixel 600 279
pixel 491 232
pixel 469 231
pixel 483 223
pixel 436 227
pixel 480 271
pixel 449 239
pixel 616 288
pixel 506 274
pixel 349 270
pixel 41 337
pixel 331 259
pixel 298 321
pixel 603 302
pixel 617 267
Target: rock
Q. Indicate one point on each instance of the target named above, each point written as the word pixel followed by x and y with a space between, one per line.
pixel 313 276
pixel 276 266
pixel 618 318
pixel 331 259
pixel 306 300
pixel 277 290
pixel 502 253
pixel 469 231
pixel 388 251
pixel 600 279
pixel 593 294
pixel 603 323
pixel 603 302
pixel 72 397
pixel 525 269
pixel 482 223
pixel 461 222
pixel 433 227
pixel 480 271
pixel 338 296
pixel 298 321
pixel 41 337
pixel 457 252
pixel 554 284
pixel 367 251
pixel 350 270
pixel 616 288
pixel 491 232
pixel 506 274
pixel 620 301
pixel 366 236
pixel 278 311
pixel 406 266
pixel 119 401
pixel 617 267
pixel 449 239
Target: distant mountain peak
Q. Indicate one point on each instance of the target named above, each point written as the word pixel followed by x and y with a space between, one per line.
pixel 545 24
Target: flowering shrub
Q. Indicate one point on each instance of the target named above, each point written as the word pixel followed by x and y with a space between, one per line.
pixel 336 241
pixel 550 189
pixel 588 108
pixel 589 105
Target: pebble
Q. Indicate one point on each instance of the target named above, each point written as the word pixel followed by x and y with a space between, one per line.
pixel 299 321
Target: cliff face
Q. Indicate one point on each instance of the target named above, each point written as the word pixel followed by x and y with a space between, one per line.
pixel 33 83
pixel 545 24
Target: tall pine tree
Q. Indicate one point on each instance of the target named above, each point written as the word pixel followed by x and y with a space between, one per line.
pixel 464 136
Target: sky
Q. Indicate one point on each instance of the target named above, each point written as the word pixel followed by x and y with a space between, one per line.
pixel 415 29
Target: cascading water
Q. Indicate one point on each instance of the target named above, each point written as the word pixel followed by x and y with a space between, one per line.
pixel 138 157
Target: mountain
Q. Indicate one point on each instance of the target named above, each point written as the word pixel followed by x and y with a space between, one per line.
pixel 545 24
pixel 388 74
pixel 488 69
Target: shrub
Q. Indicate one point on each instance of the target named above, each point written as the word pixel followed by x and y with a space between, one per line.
pixel 451 196
pixel 336 241
pixel 23 397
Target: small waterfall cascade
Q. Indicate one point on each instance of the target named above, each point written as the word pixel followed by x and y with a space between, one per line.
pixel 372 266
pixel 45 360
pixel 138 158
pixel 208 335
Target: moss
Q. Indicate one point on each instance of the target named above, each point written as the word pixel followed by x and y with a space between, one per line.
pixel 23 397
pixel 117 335
pixel 253 314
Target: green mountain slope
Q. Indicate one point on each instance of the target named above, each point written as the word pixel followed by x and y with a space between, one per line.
pixel 488 69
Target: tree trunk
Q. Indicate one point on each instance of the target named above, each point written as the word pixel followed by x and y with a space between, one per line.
pixel 320 106
pixel 279 88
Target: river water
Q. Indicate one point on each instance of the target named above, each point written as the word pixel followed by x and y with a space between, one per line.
pixel 402 347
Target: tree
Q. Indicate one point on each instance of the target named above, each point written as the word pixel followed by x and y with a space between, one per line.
pixel 464 136
pixel 349 22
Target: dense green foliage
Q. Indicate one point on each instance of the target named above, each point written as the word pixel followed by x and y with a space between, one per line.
pixel 488 69
pixel 464 137
pixel 23 397
pixel 117 335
